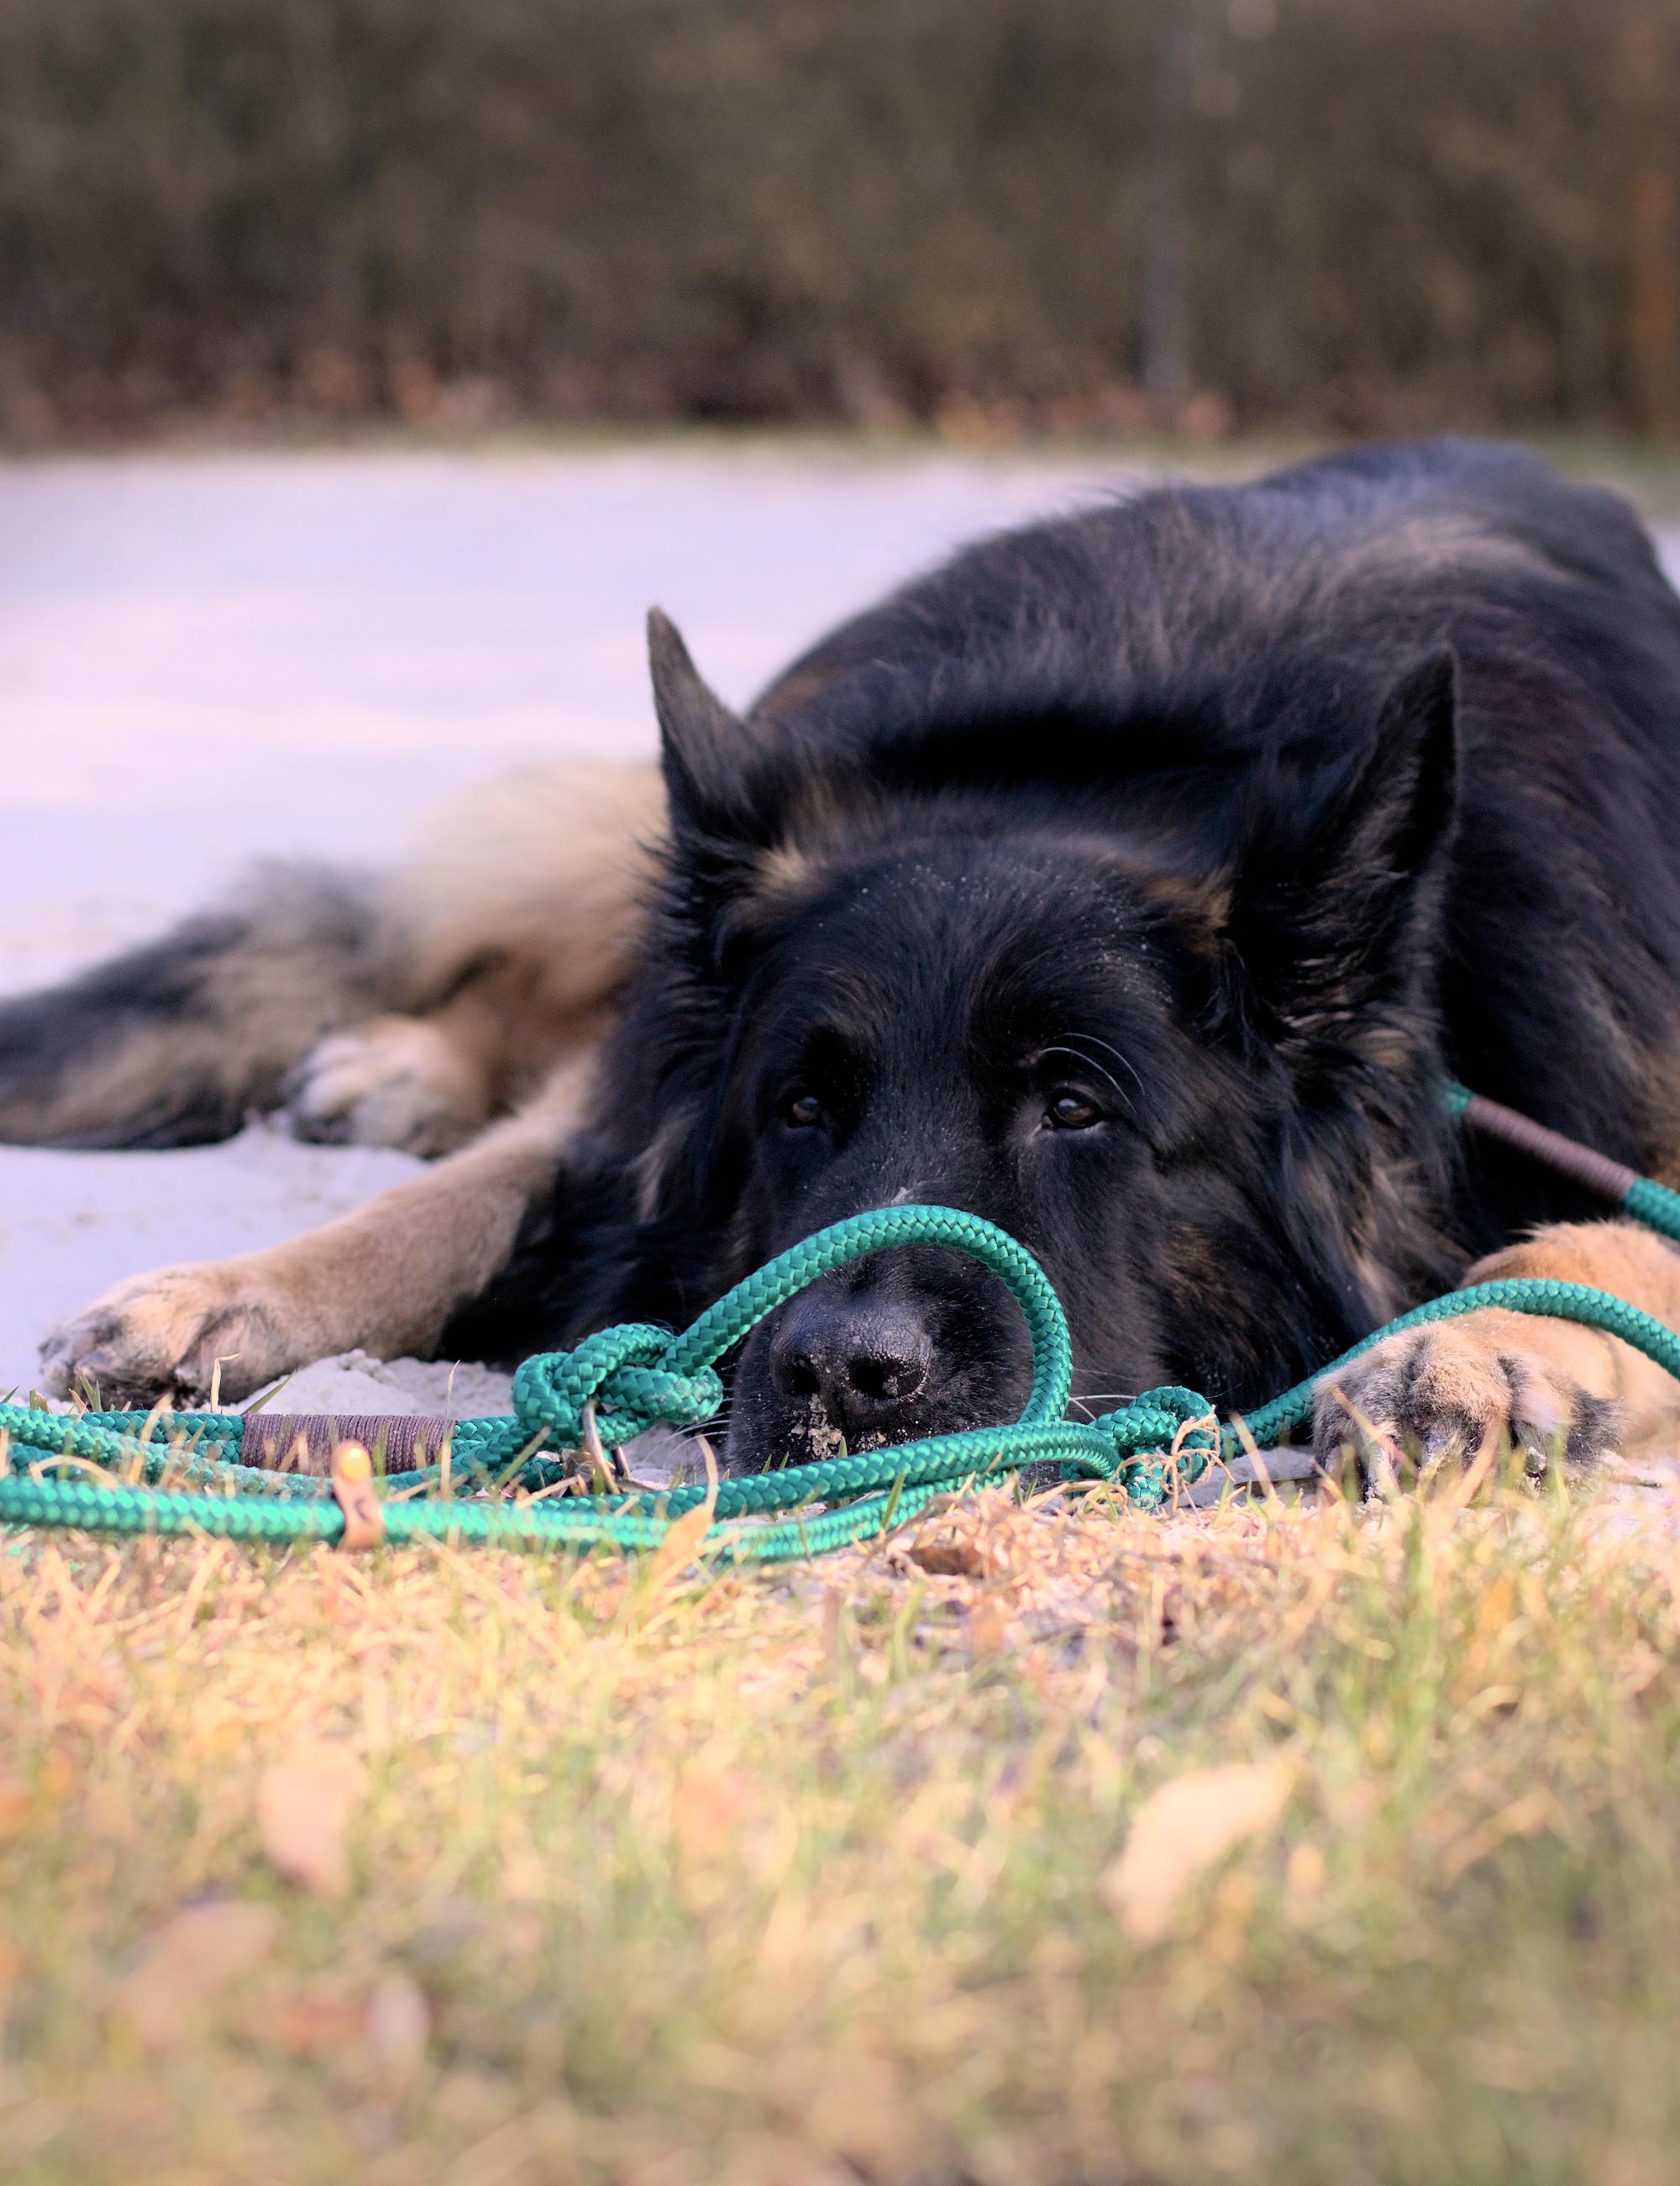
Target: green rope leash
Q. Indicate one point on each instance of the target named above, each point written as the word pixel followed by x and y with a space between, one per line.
pixel 637 1375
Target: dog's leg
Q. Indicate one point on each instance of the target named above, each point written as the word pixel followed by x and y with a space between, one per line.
pixel 429 1084
pixel 404 1009
pixel 513 921
pixel 172 1044
pixel 409 1082
pixel 1460 1388
pixel 384 1279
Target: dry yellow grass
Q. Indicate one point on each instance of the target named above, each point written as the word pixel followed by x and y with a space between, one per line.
pixel 476 1868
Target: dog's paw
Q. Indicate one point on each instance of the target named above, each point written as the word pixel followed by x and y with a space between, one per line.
pixel 162 1336
pixel 394 1081
pixel 1458 1389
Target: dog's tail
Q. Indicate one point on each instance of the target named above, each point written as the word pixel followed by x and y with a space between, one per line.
pixel 175 1042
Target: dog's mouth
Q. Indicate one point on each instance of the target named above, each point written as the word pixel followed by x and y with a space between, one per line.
pixel 784 1438
pixel 812 1438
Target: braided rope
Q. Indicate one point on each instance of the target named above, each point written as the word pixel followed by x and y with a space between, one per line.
pixel 636 1376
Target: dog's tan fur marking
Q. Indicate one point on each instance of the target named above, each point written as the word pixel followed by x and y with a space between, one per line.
pixel 1631 1263
pixel 383 1279
pixel 430 1085
pixel 514 923
pixel 547 869
pixel 392 1081
pixel 785 870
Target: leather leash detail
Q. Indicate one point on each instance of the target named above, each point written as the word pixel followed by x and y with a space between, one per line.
pixel 304 1442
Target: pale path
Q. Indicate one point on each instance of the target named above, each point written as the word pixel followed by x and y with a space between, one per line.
pixel 204 660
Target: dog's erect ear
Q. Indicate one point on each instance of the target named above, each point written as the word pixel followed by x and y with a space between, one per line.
pixel 1339 929
pixel 703 746
pixel 1386 831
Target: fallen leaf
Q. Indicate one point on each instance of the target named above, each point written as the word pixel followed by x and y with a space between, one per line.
pixel 304 1806
pixel 949 1559
pixel 310 2024
pixel 1639 1667
pixel 1525 1816
pixel 991 1628
pixel 187 1961
pixel 1181 1830
pixel 1305 1875
pixel 399 2025
pixel 712 1806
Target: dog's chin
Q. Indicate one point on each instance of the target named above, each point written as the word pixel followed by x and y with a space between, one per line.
pixel 781 1437
pixel 784 1437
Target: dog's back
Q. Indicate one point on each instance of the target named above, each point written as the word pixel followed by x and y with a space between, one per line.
pixel 1222 652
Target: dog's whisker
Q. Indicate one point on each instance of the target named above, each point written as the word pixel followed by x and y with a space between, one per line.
pixel 1089 1403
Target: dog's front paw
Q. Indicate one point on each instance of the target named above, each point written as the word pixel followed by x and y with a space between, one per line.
pixel 1458 1389
pixel 394 1081
pixel 162 1336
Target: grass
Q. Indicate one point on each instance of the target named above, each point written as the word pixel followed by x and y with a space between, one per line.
pixel 500 1870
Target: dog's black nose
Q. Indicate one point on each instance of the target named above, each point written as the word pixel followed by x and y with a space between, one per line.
pixel 862 1359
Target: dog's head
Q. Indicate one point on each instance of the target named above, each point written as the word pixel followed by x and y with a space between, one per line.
pixel 1182 1063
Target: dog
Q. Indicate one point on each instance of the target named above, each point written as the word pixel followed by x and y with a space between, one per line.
pixel 1136 881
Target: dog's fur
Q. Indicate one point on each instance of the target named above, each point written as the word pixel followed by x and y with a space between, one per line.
pixel 1134 881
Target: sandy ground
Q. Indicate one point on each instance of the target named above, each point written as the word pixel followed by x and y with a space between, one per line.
pixel 204 660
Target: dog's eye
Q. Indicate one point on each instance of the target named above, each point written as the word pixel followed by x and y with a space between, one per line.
pixel 801 1109
pixel 1071 1111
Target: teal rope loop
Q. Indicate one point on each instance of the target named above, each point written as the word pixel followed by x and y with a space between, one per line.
pixel 636 1376
pixel 622 1372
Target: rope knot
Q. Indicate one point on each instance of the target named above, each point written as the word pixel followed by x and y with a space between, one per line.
pixel 623 1371
pixel 1176 1426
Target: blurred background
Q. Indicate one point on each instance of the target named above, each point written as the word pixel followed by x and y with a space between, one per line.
pixel 992 217
pixel 366 368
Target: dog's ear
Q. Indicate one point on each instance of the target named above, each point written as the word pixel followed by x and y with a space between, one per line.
pixel 1338 924
pixel 703 746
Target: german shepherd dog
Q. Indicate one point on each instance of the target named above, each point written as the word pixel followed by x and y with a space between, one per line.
pixel 1134 881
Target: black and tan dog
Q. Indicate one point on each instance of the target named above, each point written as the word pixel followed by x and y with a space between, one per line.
pixel 1134 881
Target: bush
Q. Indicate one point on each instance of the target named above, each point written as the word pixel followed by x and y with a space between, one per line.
pixel 1348 211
